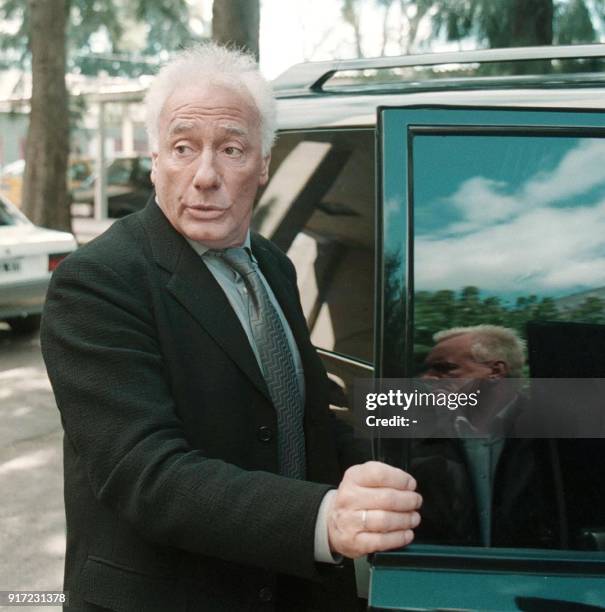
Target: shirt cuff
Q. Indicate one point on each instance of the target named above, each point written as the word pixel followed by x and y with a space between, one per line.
pixel 323 554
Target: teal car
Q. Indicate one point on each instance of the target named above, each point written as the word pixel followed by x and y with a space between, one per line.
pixel 419 193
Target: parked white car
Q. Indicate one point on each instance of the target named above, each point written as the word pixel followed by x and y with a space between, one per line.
pixel 28 256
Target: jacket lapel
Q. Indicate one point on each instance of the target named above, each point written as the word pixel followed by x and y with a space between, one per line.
pixel 195 288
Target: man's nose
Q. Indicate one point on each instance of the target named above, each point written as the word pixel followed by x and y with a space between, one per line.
pixel 206 175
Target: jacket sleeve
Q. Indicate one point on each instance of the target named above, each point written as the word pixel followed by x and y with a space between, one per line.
pixel 102 355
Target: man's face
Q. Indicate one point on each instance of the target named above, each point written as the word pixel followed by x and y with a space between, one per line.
pixel 453 358
pixel 209 164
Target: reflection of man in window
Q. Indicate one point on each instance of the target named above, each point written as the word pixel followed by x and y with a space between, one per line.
pixel 482 351
pixel 475 354
pixel 480 487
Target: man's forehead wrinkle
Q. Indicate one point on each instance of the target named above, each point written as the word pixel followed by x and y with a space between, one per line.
pixel 191 109
pixel 188 119
pixel 203 107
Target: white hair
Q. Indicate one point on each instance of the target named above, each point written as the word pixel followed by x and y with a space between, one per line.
pixel 492 342
pixel 211 63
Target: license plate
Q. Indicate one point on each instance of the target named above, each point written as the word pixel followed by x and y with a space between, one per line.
pixel 10 265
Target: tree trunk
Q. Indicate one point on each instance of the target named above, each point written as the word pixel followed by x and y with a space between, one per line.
pixel 531 22
pixel 236 22
pixel 45 198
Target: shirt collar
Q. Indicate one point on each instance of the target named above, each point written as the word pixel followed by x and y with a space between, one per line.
pixel 499 427
pixel 201 249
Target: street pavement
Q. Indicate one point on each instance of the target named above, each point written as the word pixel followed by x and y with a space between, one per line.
pixel 32 522
pixel 32 518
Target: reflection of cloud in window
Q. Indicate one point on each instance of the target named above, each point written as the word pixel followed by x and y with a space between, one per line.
pixel 482 201
pixel 579 171
pixel 517 240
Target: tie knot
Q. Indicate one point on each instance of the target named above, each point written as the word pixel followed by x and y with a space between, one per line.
pixel 239 259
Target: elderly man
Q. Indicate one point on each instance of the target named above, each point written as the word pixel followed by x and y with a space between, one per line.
pixel 201 461
pixel 482 487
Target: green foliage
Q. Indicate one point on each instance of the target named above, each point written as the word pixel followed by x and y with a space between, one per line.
pixel 439 310
pixel 435 311
pixel 15 10
pixel 589 311
pixel 508 23
pixel 168 24
pixel 488 23
pixel 501 23
pixel 574 24
pixel 394 309
pixel 87 17
pixel 167 29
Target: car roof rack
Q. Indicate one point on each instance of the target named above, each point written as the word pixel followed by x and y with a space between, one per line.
pixel 310 77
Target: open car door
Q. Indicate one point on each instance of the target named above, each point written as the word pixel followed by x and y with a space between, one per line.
pixel 495 217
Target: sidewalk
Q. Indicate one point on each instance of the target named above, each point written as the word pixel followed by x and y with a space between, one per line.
pixel 32 517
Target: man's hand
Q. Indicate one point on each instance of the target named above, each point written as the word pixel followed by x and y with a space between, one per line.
pixel 374 509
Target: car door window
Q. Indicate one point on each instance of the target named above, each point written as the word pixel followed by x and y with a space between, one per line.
pixel 505 270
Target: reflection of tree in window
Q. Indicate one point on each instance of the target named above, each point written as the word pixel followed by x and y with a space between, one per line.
pixel 434 311
pixel 394 345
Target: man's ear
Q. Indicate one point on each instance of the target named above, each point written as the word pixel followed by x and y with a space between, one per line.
pixel 154 162
pixel 264 173
pixel 499 369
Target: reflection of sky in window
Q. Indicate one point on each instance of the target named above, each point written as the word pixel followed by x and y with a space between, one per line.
pixel 510 215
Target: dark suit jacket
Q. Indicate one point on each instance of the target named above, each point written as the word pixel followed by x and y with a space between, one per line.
pixel 524 499
pixel 524 508
pixel 170 452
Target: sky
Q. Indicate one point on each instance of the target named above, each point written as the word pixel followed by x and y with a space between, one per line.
pixel 292 31
pixel 539 228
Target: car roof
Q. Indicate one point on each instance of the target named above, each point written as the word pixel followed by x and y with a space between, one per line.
pixel 351 91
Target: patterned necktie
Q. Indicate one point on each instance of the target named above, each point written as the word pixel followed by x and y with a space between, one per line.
pixel 277 363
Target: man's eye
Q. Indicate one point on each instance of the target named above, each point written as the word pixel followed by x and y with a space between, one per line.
pixel 182 149
pixel 233 151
